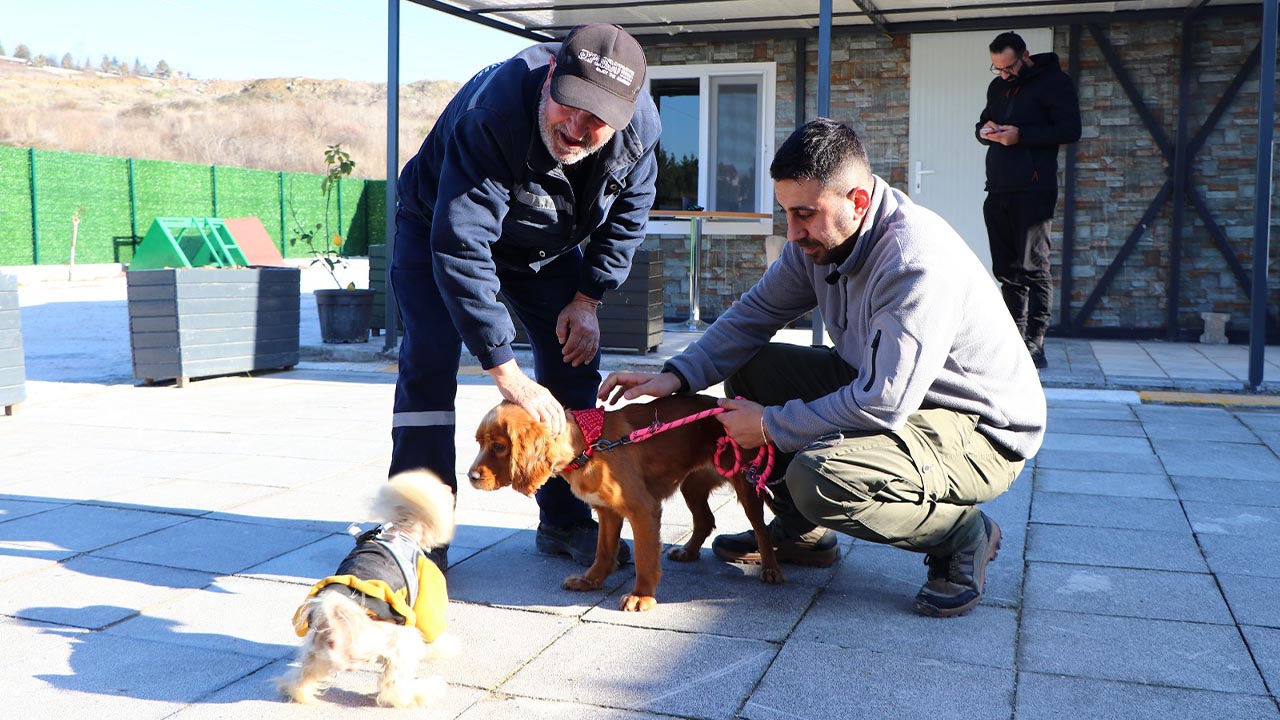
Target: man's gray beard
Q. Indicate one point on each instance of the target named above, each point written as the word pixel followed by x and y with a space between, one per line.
pixel 574 157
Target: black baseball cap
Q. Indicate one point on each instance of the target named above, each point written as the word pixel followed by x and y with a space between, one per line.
pixel 600 68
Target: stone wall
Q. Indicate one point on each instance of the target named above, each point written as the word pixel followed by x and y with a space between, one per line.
pixel 1120 168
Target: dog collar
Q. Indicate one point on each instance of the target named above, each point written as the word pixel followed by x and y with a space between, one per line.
pixel 591 423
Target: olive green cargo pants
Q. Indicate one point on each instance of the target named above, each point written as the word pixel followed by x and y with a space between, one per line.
pixel 915 488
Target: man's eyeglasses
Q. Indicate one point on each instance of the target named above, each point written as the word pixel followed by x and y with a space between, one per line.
pixel 1008 69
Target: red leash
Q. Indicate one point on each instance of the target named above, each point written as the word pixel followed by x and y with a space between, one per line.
pixel 592 424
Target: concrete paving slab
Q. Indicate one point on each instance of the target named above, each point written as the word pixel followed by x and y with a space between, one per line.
pixel 1098 462
pixel 1241 555
pixel 868 607
pixel 1113 547
pixel 80 528
pixel 1217 459
pixel 23 639
pixel 12 508
pixel 302 508
pixel 351 696
pixel 846 683
pixel 1153 652
pixel 94 592
pixel 1051 508
pixel 1256 493
pixel 307 564
pixel 1156 486
pixel 1154 594
pixel 1232 519
pixel 1097 443
pixel 1252 599
pixel 1264 643
pixel 483 528
pixel 182 496
pixel 215 618
pixel 495 642
pixel 107 676
pixel 1259 420
pixel 1091 426
pixel 1042 697
pixel 683 674
pixel 1086 411
pixel 225 547
pixel 1206 426
pixel 526 709
pixel 712 597
pixel 530 581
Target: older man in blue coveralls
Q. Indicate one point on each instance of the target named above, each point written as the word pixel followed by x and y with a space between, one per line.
pixel 534 185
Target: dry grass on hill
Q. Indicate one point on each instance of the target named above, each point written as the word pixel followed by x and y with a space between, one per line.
pixel 275 124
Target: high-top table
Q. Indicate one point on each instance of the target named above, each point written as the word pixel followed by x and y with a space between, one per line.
pixel 696 218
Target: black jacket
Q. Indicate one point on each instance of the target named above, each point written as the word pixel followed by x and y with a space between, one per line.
pixel 1041 102
pixel 497 202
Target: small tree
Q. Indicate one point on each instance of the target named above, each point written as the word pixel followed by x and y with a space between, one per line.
pixel 22 52
pixel 162 69
pixel 325 246
pixel 1 49
pixel 68 62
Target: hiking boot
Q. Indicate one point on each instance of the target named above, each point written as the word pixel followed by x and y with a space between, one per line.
pixel 1037 354
pixel 440 556
pixel 816 548
pixel 577 541
pixel 955 581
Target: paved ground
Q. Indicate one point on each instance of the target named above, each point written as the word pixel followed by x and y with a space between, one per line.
pixel 154 542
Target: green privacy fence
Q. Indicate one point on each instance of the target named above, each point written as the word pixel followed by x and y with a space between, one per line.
pixel 116 199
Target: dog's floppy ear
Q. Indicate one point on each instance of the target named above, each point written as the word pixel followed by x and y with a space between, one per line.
pixel 533 460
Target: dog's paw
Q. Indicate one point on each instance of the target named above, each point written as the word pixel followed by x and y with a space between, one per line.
pixel 582 583
pixel 291 688
pixel 637 603
pixel 681 553
pixel 415 694
pixel 772 576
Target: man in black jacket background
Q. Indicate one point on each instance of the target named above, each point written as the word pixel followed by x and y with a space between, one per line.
pixel 1031 109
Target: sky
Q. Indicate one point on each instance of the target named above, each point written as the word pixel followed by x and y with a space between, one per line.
pixel 248 39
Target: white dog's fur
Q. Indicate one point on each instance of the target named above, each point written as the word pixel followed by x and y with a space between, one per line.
pixel 341 633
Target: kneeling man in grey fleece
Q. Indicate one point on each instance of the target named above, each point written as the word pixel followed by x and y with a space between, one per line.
pixel 927 405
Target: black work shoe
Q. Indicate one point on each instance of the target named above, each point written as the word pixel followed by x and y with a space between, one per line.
pixel 1037 354
pixel 816 548
pixel 955 581
pixel 440 556
pixel 577 541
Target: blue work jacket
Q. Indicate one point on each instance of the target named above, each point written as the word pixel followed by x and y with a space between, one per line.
pixel 496 202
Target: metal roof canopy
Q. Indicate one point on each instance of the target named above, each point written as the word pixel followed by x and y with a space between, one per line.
pixel 656 21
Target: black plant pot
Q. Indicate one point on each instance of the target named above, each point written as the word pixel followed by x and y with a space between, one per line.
pixel 344 315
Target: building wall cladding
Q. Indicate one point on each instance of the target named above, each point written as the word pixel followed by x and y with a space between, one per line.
pixel 1120 168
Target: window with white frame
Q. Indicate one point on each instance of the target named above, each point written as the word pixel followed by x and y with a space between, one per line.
pixel 717 143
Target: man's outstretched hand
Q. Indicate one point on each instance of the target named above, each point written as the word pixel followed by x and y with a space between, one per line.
pixel 631 385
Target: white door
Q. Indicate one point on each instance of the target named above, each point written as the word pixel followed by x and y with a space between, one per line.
pixel 950 73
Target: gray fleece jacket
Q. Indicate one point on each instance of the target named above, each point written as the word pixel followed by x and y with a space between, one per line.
pixel 912 310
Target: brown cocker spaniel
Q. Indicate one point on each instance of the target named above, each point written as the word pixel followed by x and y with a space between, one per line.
pixel 629 481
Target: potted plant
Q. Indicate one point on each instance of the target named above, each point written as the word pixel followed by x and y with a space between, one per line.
pixel 344 311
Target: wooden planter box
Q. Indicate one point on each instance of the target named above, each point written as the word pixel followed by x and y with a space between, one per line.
pixel 13 373
pixel 378 284
pixel 199 322
pixel 631 317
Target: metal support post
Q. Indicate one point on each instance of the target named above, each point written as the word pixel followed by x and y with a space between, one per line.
pixel 695 271
pixel 1262 194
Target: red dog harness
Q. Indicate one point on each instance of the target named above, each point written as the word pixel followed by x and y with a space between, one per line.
pixel 591 422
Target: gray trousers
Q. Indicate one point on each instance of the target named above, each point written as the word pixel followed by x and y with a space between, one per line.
pixel 915 488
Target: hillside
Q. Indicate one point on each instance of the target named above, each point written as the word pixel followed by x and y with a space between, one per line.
pixel 273 124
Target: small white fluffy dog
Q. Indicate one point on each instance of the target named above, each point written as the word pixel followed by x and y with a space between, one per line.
pixel 386 601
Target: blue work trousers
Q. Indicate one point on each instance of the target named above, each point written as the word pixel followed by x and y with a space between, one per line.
pixel 423 425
